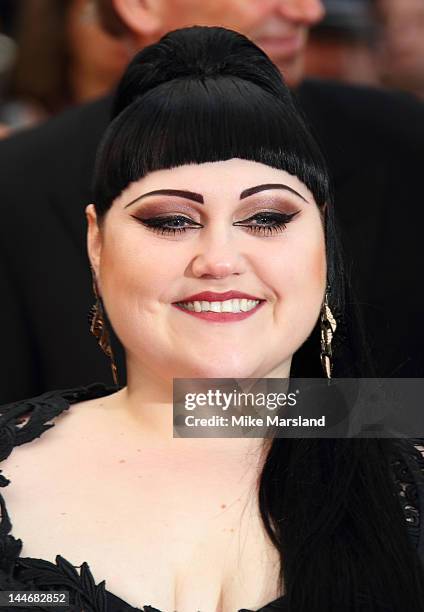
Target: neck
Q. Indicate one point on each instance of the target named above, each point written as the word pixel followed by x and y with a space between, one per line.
pixel 147 403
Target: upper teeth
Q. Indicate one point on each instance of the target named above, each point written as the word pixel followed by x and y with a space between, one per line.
pixel 234 305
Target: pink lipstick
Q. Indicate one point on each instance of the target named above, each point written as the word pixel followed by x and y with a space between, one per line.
pixel 208 305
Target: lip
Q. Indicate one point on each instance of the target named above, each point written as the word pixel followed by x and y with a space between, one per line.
pixel 212 296
pixel 221 317
pixel 279 45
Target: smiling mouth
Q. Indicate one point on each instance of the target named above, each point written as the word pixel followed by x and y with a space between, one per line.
pixel 223 311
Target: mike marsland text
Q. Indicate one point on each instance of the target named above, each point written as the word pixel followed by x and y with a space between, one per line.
pixel 249 421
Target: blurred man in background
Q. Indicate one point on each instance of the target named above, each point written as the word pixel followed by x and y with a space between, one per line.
pixel 280 27
pixel 45 185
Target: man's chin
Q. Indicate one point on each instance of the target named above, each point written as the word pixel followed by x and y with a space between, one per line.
pixel 292 70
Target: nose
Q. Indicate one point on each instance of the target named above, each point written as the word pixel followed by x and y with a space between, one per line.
pixel 305 12
pixel 219 258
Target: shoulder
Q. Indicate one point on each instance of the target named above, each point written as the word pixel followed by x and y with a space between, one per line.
pixel 394 116
pixel 408 473
pixel 412 451
pixel 409 456
pixel 25 420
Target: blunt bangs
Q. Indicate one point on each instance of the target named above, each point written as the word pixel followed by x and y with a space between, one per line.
pixel 198 120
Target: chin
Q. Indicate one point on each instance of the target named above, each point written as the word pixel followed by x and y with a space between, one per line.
pixel 293 72
pixel 222 369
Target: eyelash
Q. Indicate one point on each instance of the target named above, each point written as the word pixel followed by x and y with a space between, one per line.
pixel 280 220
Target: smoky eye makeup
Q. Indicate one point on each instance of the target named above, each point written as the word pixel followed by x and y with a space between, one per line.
pixel 277 203
pixel 265 223
pixel 167 207
pixel 265 216
pixel 167 217
pixel 281 202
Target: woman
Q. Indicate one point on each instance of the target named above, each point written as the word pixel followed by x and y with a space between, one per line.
pixel 208 189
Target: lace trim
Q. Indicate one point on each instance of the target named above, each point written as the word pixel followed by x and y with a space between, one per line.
pixel 24 421
pixel 408 474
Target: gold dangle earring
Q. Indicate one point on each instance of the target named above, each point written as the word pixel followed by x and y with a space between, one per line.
pixel 99 330
pixel 328 328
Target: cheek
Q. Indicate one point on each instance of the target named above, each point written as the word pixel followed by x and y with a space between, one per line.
pixel 318 267
pixel 309 272
pixel 298 277
pixel 301 266
pixel 133 274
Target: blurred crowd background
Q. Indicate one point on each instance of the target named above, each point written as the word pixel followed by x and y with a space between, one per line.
pixel 54 53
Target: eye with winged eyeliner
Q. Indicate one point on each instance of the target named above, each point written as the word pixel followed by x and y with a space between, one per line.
pixel 275 222
pixel 197 197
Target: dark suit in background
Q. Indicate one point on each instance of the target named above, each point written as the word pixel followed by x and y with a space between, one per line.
pixel 375 147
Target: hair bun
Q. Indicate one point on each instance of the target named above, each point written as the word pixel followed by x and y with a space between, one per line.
pixel 198 52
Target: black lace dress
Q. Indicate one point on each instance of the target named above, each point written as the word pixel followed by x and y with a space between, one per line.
pixel 26 420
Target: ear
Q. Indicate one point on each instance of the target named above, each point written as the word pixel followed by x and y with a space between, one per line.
pixel 140 16
pixel 94 239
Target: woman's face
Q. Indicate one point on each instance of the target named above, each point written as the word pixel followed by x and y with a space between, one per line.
pixel 212 227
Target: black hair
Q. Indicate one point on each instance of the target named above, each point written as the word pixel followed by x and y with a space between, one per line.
pixel 329 506
pixel 209 94
pixel 203 95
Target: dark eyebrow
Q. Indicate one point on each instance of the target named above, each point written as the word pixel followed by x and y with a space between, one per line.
pixel 248 192
pixel 197 197
pixel 179 193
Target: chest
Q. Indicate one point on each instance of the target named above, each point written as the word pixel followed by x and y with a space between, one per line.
pixel 159 530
